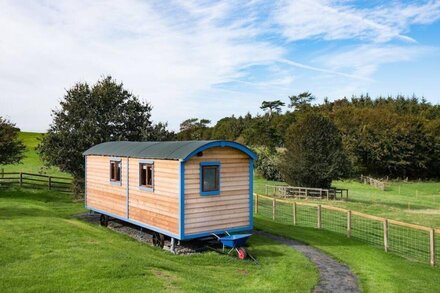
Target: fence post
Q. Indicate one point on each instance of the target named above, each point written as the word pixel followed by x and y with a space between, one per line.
pixel 21 179
pixel 319 216
pixel 256 204
pixel 327 193
pixel 273 208
pixel 349 223
pixel 3 171
pixel 294 212
pixel 385 235
pixel 49 183
pixel 432 246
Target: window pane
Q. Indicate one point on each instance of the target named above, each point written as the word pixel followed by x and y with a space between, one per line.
pixel 112 171
pixel 118 171
pixel 210 178
pixel 143 175
pixel 150 175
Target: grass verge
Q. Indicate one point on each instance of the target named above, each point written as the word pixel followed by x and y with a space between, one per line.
pixel 45 249
pixel 377 271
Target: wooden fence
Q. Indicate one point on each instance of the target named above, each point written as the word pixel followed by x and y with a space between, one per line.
pixel 306 192
pixel 35 181
pixel 382 185
pixel 411 241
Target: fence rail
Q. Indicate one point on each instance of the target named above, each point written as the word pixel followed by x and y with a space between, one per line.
pixel 35 180
pixel 382 185
pixel 415 242
pixel 306 192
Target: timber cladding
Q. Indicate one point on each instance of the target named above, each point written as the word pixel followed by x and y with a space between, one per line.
pixel 229 209
pixel 101 194
pixel 160 207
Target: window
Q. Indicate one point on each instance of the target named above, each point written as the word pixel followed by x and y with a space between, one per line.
pixel 115 171
pixel 210 178
pixel 146 174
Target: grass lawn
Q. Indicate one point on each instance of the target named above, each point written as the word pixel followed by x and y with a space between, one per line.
pixel 45 249
pixel 376 270
pixel 31 162
pixel 412 202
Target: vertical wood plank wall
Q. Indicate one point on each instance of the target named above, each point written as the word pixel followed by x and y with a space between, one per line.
pixel 159 208
pixel 100 193
pixel 230 208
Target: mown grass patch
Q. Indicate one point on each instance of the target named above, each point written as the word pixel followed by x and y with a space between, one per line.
pixel 46 249
pixel 377 271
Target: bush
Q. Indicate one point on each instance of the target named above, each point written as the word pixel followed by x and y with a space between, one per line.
pixel 267 163
pixel 314 154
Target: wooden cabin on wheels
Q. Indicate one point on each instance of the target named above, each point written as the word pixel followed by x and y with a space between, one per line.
pixel 180 189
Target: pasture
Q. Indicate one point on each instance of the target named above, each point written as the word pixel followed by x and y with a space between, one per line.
pixel 46 248
pixel 412 202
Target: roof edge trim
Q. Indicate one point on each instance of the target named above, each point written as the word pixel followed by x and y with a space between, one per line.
pixel 222 143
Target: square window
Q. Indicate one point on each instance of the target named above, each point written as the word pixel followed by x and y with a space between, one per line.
pixel 146 173
pixel 115 171
pixel 210 178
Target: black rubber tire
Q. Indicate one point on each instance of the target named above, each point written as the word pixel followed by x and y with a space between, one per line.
pixel 158 240
pixel 103 220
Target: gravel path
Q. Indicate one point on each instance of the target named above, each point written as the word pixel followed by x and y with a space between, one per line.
pixel 333 276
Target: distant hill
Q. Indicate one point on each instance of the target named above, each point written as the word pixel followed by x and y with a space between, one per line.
pixel 31 162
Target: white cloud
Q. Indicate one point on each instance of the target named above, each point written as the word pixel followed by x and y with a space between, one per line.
pixel 180 54
pixel 168 60
pixel 335 20
pixel 364 60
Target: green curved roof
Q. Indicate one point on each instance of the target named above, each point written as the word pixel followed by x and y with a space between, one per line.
pixel 168 150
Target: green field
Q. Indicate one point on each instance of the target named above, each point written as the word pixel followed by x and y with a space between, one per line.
pixel 32 162
pixel 412 202
pixel 45 248
pixel 376 270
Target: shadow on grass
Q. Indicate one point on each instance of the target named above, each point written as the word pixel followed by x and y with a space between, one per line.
pixel 35 195
pixel 18 212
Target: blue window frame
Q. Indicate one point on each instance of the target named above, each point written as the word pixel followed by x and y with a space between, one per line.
pixel 210 178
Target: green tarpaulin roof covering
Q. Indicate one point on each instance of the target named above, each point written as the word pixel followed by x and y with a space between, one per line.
pixel 171 150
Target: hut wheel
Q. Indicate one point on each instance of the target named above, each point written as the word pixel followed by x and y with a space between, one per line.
pixel 104 220
pixel 158 239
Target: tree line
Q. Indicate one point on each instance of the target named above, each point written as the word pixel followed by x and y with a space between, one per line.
pixel 303 143
pixel 386 136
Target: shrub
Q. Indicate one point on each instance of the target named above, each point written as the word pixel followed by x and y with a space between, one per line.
pixel 314 154
pixel 267 163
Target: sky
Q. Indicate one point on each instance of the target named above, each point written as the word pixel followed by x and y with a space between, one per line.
pixel 213 59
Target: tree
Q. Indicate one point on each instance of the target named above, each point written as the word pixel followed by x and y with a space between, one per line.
pixel 11 147
pixel 194 129
pixel 228 128
pixel 90 115
pixel 161 133
pixel 314 154
pixel 272 107
pixel 301 100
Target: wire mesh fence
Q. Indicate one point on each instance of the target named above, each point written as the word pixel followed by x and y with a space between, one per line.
pixel 414 242
pixel 334 221
pixel 367 230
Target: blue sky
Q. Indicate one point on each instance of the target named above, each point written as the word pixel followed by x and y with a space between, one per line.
pixel 214 59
